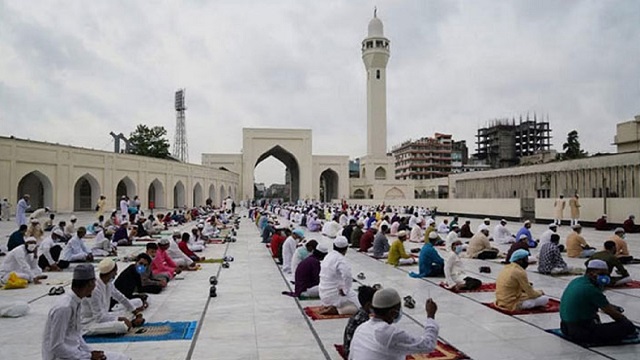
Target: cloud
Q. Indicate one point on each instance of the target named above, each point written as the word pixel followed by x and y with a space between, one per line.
pixel 454 66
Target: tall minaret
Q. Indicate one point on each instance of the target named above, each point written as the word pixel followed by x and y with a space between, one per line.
pixel 375 54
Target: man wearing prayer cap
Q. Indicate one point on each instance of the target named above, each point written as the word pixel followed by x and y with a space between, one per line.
pixel 513 290
pixel 289 248
pixel 379 338
pixel 356 234
pixel 50 251
pixel 335 281
pixel 526 230
pixel 579 306
pixel 307 274
pixel 546 235
pixel 622 250
pixel 502 235
pixel 95 314
pixel 486 222
pixel 397 253
pixel 577 246
pixel 523 244
pixel 62 337
pixel 23 261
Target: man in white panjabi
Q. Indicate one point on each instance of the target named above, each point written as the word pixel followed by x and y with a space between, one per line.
pixel 502 235
pixel 336 293
pixel 558 210
pixel 380 339
pixel 330 230
pixel 62 337
pixel 289 248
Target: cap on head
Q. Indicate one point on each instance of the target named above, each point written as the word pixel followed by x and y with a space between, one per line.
pixel 527 222
pixel 486 220
pixel 73 218
pixel 598 265
pixel 518 255
pixel 298 232
pixel 433 235
pixel 503 221
pixel 163 241
pixel 402 234
pixel 385 298
pixel 576 226
pixel 522 236
pixel 322 248
pixel 106 265
pixel 340 242
pixel 618 230
pixel 58 232
pixel 84 272
pixel 553 226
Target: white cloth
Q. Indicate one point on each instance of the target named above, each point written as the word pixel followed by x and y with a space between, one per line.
pixel 452 237
pixel 335 276
pixel 101 242
pixel 453 270
pixel 20 262
pixel 288 249
pixel 443 228
pixel 417 234
pixel 537 302
pixel 331 229
pixel 299 254
pixel 21 209
pixel 502 235
pixel 14 309
pixel 377 340
pixel 76 250
pixel 178 257
pixel 95 309
pixel 45 249
pixel 546 237
pixel 124 208
pixel 413 221
pixel 62 337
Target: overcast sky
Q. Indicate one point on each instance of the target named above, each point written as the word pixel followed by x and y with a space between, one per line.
pixel 71 71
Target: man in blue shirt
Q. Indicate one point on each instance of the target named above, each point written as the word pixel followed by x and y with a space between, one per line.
pixel 430 262
pixel 17 238
pixel 525 231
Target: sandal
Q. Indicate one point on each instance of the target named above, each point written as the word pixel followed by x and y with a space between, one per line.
pixel 59 290
pixel 409 302
pixel 52 291
pixel 213 280
pixel 225 265
pixel 212 291
pixel 377 286
pixel 228 258
pixel 361 276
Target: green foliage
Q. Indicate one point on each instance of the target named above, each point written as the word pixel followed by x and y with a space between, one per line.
pixel 572 148
pixel 150 142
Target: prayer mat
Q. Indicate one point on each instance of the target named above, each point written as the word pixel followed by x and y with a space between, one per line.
pixel 442 352
pixel 210 261
pixel 633 284
pixel 553 306
pixel 301 297
pixel 314 313
pixel 159 331
pixel 146 238
pixel 626 341
pixel 215 241
pixel 485 287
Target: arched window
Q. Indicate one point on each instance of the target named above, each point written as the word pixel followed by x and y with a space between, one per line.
pixel 378 74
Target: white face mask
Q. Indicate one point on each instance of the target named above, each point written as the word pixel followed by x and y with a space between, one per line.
pixel 31 247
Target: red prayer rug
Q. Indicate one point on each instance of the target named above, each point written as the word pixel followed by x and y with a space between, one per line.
pixel 442 352
pixel 633 284
pixel 215 241
pixel 485 287
pixel 314 313
pixel 553 306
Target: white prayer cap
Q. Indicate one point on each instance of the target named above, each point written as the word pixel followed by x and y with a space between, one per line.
pixel 30 239
pixel 35 221
pixel 84 272
pixel 433 235
pixel 200 226
pixel 576 226
pixel 340 242
pixel 597 264
pixel 402 234
pixel 486 219
pixel 58 232
pixel 527 222
pixel 106 265
pixel 163 241
pixel 322 248
pixel 385 298
pixel 552 225
pixel 522 236
pixel 503 220
pixel 359 223
pixel 618 230
pixel 73 217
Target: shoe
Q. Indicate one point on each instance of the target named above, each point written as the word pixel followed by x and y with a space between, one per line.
pixel 377 286
pixel 225 265
pixel 228 258
pixel 361 276
pixel 409 302
pixel 213 280
pixel 485 269
pixel 212 291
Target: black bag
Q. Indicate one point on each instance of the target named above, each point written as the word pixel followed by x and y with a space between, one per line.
pixel 471 283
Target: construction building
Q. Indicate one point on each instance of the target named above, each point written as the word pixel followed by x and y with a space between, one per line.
pixel 505 141
pixel 425 158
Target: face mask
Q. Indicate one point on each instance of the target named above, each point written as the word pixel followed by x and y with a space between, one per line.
pixel 140 269
pixel 603 280
pixel 31 247
pixel 398 317
pixel 458 249
pixel 304 252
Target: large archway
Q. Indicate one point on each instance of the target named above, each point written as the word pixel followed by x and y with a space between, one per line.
pixel 212 193
pixel 223 194
pixel 197 195
pixel 292 177
pixel 328 185
pixel 380 173
pixel 125 187
pixel 358 194
pixel 85 193
pixel 394 193
pixel 39 188
pixel 178 195
pixel 156 195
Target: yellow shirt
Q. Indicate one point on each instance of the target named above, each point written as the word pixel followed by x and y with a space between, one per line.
pixel 621 245
pixel 575 244
pixel 397 252
pixel 512 287
pixel 429 230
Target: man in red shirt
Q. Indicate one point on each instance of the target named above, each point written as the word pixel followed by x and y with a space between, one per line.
pixel 277 240
pixel 162 262
pixel 366 241
pixel 184 246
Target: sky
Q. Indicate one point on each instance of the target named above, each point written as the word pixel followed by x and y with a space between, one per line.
pixel 72 71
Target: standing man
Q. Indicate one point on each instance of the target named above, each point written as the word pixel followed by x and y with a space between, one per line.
pixel 5 206
pixel 21 210
pixel 124 208
pixel 558 209
pixel 62 338
pixel 574 204
pixel 102 202
pixel 335 281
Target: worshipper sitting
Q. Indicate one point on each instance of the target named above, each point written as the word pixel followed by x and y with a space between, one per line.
pixel 335 291
pixel 301 253
pixel 34 230
pixel 397 254
pixel 381 243
pixel 356 234
pixel 366 241
pixel 196 243
pixel 95 314
pixel 551 261
pixel 49 224
pixel 141 231
pixel 365 296
pixel 17 237
pixel 162 264
pixel 184 247
pixel 455 277
pixel 121 236
pixel 289 248
pixel 522 243
pixel 50 251
pixel 70 228
pixel 579 305
pixel 443 228
pixel 76 250
pixel 513 290
pixel 486 222
pixel 102 246
pixel 314 225
pixel 429 261
pixel 480 247
pixel 149 277
pixel 380 338
pixel 630 226
pixel 417 232
pixel 546 235
pixel 430 228
pixel 23 261
pixel 307 274
pixel 525 230
pixel 348 229
pixel 62 337
pixel 601 224
pixel 622 250
pixel 577 246
pixel 130 282
pixel 267 232
pixel 465 230
pixel 502 235
pixel 608 255
pixel 177 255
pixel 453 223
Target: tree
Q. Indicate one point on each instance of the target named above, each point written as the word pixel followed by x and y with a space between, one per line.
pixel 150 142
pixel 572 147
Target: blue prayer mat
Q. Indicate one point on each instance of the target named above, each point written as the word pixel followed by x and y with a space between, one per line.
pixel 159 331
pixel 626 341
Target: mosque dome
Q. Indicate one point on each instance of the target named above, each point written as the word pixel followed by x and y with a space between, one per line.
pixel 376 27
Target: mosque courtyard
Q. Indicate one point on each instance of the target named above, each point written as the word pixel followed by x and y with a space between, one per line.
pixel 251 319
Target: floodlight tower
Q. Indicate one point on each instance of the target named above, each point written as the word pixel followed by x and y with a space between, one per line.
pixel 180 147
